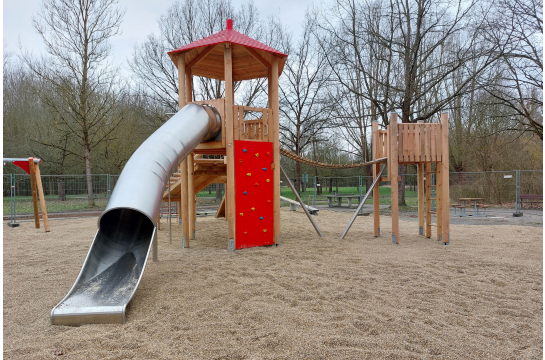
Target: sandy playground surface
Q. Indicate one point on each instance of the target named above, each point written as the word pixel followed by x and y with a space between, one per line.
pixel 362 297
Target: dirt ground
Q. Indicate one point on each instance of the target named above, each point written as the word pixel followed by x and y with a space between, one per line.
pixel 313 298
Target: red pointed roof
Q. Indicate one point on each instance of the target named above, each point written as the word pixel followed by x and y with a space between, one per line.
pixel 231 36
pixel 250 58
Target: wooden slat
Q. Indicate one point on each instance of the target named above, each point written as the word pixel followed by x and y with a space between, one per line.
pixel 427 142
pixel 406 143
pixel 438 142
pixel 445 194
pixel 275 130
pixel 221 209
pixel 417 146
pixel 422 140
pixel 433 157
pixel 400 141
pixel 41 196
pixel 411 141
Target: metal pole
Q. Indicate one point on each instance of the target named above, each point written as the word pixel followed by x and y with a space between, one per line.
pixel 301 202
pixel 363 202
pixel 13 202
pixel 314 199
pixel 517 212
pixel 169 217
pixel 108 189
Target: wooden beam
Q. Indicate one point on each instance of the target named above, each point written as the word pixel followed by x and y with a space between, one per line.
pixel 33 191
pixel 191 196
pixel 393 177
pixel 230 145
pixel 183 180
pixel 42 198
pixel 198 58
pixel 376 147
pixel 221 209
pixel 181 81
pixel 445 196
pixel 258 57
pixel 275 126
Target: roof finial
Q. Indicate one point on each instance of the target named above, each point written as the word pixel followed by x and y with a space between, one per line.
pixel 229 24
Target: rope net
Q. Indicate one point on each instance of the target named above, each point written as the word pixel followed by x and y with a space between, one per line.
pixel 302 160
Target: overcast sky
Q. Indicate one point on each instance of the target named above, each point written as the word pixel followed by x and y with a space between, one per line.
pixel 140 20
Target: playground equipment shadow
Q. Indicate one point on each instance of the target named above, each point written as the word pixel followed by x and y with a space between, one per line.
pixel 361 297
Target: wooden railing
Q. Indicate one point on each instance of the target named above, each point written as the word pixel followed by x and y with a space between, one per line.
pixel 252 129
pixel 419 142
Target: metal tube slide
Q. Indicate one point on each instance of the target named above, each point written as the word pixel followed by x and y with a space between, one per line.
pixel 126 229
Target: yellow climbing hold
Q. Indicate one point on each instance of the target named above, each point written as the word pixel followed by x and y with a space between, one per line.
pixel 257 155
pixel 241 214
pixel 253 209
pixel 268 180
pixel 264 230
pixel 248 174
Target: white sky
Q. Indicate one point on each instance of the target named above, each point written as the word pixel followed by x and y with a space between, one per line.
pixel 140 20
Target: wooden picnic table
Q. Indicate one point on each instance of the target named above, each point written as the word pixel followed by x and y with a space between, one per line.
pixel 475 207
pixel 340 198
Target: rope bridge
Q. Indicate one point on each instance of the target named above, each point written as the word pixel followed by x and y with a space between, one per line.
pixel 302 160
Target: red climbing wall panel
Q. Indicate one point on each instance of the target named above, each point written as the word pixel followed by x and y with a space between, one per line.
pixel 254 193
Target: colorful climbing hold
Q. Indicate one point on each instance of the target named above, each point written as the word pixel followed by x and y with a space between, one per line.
pixel 241 214
pixel 248 174
pixel 256 184
pixel 264 230
pixel 245 233
pixel 257 155
pixel 253 209
pixel 244 150
pixel 268 201
pixel 261 218
pixel 268 153
pixel 268 180
pixel 264 169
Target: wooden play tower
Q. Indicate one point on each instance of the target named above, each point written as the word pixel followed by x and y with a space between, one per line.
pixel 424 145
pixel 251 163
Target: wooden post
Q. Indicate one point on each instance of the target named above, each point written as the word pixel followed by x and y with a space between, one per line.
pixel 376 192
pixel 393 177
pixel 274 105
pixel 428 199
pixel 230 150
pixel 191 196
pixel 183 192
pixel 421 206
pixel 33 191
pixel 438 203
pixel 445 195
pixel 420 179
pixel 42 198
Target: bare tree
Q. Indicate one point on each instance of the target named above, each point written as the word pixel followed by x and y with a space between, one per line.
pixel 85 88
pixel 403 56
pixel 517 26
pixel 305 103
pixel 187 21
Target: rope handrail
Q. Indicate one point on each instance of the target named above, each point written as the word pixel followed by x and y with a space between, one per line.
pixel 303 160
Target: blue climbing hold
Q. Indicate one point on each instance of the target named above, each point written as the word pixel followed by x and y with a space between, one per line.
pixel 264 169
pixel 261 218
pixel 245 193
pixel 244 150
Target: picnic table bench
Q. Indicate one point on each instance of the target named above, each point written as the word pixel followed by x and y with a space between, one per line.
pixel 340 198
pixel 530 198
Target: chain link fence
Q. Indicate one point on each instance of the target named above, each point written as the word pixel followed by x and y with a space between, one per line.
pixel 66 193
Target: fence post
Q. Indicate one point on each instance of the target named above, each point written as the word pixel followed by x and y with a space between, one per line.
pixel 108 189
pixel 314 198
pixel 517 212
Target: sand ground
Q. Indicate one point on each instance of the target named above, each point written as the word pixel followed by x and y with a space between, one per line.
pixel 362 297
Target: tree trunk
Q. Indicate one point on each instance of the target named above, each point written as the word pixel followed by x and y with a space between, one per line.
pixel 90 197
pixel 62 189
pixel 298 177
